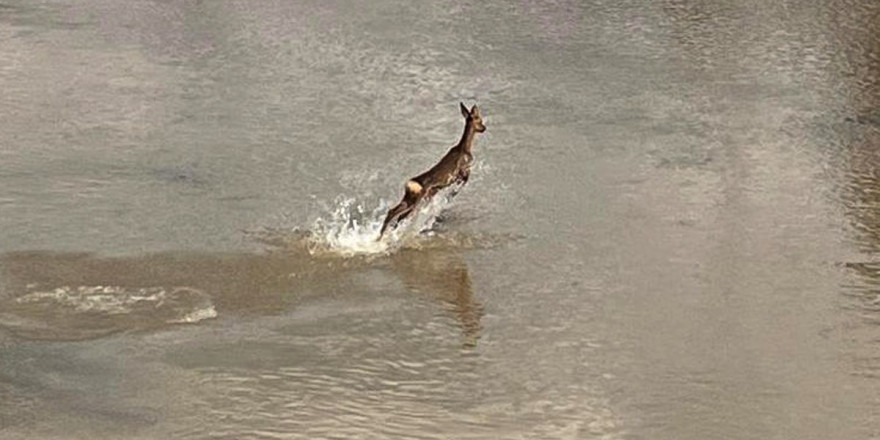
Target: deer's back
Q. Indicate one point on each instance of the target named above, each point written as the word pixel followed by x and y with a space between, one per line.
pixel 445 171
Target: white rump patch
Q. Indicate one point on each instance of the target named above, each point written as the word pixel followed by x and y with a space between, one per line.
pixel 413 186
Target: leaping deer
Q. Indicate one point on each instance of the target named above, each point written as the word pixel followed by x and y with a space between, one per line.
pixel 454 167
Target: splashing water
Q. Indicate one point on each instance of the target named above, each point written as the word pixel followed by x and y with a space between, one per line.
pixel 351 230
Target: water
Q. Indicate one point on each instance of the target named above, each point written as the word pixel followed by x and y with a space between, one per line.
pixel 671 231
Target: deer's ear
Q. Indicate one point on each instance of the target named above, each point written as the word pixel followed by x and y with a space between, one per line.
pixel 464 110
pixel 475 111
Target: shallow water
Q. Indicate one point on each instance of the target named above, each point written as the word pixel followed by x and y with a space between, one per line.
pixel 671 232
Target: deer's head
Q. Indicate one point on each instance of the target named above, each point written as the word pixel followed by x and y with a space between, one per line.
pixel 473 116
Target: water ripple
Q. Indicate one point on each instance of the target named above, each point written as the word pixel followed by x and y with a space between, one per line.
pixel 83 312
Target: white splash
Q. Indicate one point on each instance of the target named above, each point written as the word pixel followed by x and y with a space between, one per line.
pixel 197 315
pixel 105 299
pixel 174 305
pixel 350 229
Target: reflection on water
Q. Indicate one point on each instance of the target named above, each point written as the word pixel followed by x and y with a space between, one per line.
pixel 79 296
pixel 856 156
pixel 853 138
pixel 860 184
pixel 445 275
pixel 859 193
pixel 860 196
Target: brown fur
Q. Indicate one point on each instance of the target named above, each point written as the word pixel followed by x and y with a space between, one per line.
pixel 454 167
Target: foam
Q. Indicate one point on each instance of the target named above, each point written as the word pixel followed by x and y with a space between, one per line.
pixel 351 229
pixel 171 305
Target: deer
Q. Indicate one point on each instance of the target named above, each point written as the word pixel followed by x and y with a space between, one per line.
pixel 453 168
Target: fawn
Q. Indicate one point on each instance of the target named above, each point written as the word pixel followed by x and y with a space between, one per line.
pixel 454 167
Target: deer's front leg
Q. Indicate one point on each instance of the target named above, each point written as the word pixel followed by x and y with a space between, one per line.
pixel 464 175
pixel 461 179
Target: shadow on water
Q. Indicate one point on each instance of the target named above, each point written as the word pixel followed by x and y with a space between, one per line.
pixel 70 296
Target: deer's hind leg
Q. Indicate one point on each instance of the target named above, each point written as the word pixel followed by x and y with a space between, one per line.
pixel 411 196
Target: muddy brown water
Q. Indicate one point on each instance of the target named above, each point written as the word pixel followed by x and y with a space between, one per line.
pixel 671 232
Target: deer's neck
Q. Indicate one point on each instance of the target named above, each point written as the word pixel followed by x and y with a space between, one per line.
pixel 467 138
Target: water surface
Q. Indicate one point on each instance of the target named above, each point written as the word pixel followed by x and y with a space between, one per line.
pixel 672 230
